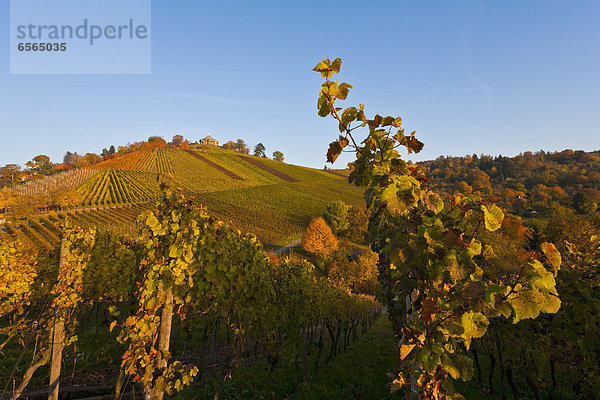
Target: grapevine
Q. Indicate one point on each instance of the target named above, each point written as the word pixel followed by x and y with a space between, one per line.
pixel 432 263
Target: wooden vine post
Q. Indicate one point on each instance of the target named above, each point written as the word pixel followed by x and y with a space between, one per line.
pixel 165 334
pixel 57 338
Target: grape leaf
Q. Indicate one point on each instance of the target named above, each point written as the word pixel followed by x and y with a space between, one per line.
pixel 493 217
pixel 334 151
pixel 552 255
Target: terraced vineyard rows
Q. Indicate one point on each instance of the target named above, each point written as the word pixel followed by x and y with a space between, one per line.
pixel 300 173
pixel 246 171
pixel 215 165
pixel 45 186
pixel 268 169
pixel 42 231
pixel 136 161
pixel 162 162
pixel 271 199
pixel 198 176
pixel 149 160
pixel 118 187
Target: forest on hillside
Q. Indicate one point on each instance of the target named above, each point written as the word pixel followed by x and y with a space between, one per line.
pixel 527 184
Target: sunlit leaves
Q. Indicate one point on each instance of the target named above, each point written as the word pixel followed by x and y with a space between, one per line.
pixel 323 106
pixel 434 202
pixel 475 325
pixel 539 295
pixel 492 217
pixel 342 91
pixel 78 243
pixel 327 68
pixel 413 144
pixel 169 234
pixel 18 272
pixel 458 366
pixel 474 248
pixel 349 115
pixel 401 195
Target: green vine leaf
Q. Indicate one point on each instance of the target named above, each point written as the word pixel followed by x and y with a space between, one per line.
pixel 475 325
pixel 493 217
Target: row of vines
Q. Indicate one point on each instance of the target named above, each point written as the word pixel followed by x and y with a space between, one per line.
pixel 149 160
pixel 185 272
pixel 43 232
pixel 64 180
pixel 118 187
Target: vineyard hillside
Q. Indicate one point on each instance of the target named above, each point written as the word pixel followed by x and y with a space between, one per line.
pixel 272 199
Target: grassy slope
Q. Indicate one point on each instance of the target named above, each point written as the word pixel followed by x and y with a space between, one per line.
pixel 276 211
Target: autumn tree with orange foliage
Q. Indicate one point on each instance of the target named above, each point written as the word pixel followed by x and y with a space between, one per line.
pixel 157 141
pixel 230 145
pixel 318 238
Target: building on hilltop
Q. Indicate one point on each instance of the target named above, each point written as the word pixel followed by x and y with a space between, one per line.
pixel 209 141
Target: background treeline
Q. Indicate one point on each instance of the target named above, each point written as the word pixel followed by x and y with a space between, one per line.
pixel 526 185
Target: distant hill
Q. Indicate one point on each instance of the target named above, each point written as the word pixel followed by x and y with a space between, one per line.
pixel 530 184
pixel 272 199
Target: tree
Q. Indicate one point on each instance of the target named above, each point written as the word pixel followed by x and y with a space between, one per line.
pixel 357 224
pixel 463 187
pixel 278 156
pixel 91 159
pixel 11 173
pixel 534 240
pixel 41 164
pixel 111 150
pixel 359 276
pixel 241 147
pixel 72 159
pixel 67 157
pixel 177 139
pixel 259 150
pixel 582 203
pixel 367 272
pixel 22 205
pixel 185 145
pixel 230 145
pixel 336 216
pixel 6 196
pixel 157 141
pixel 318 239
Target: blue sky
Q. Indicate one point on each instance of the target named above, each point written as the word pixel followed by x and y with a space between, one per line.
pixel 468 76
